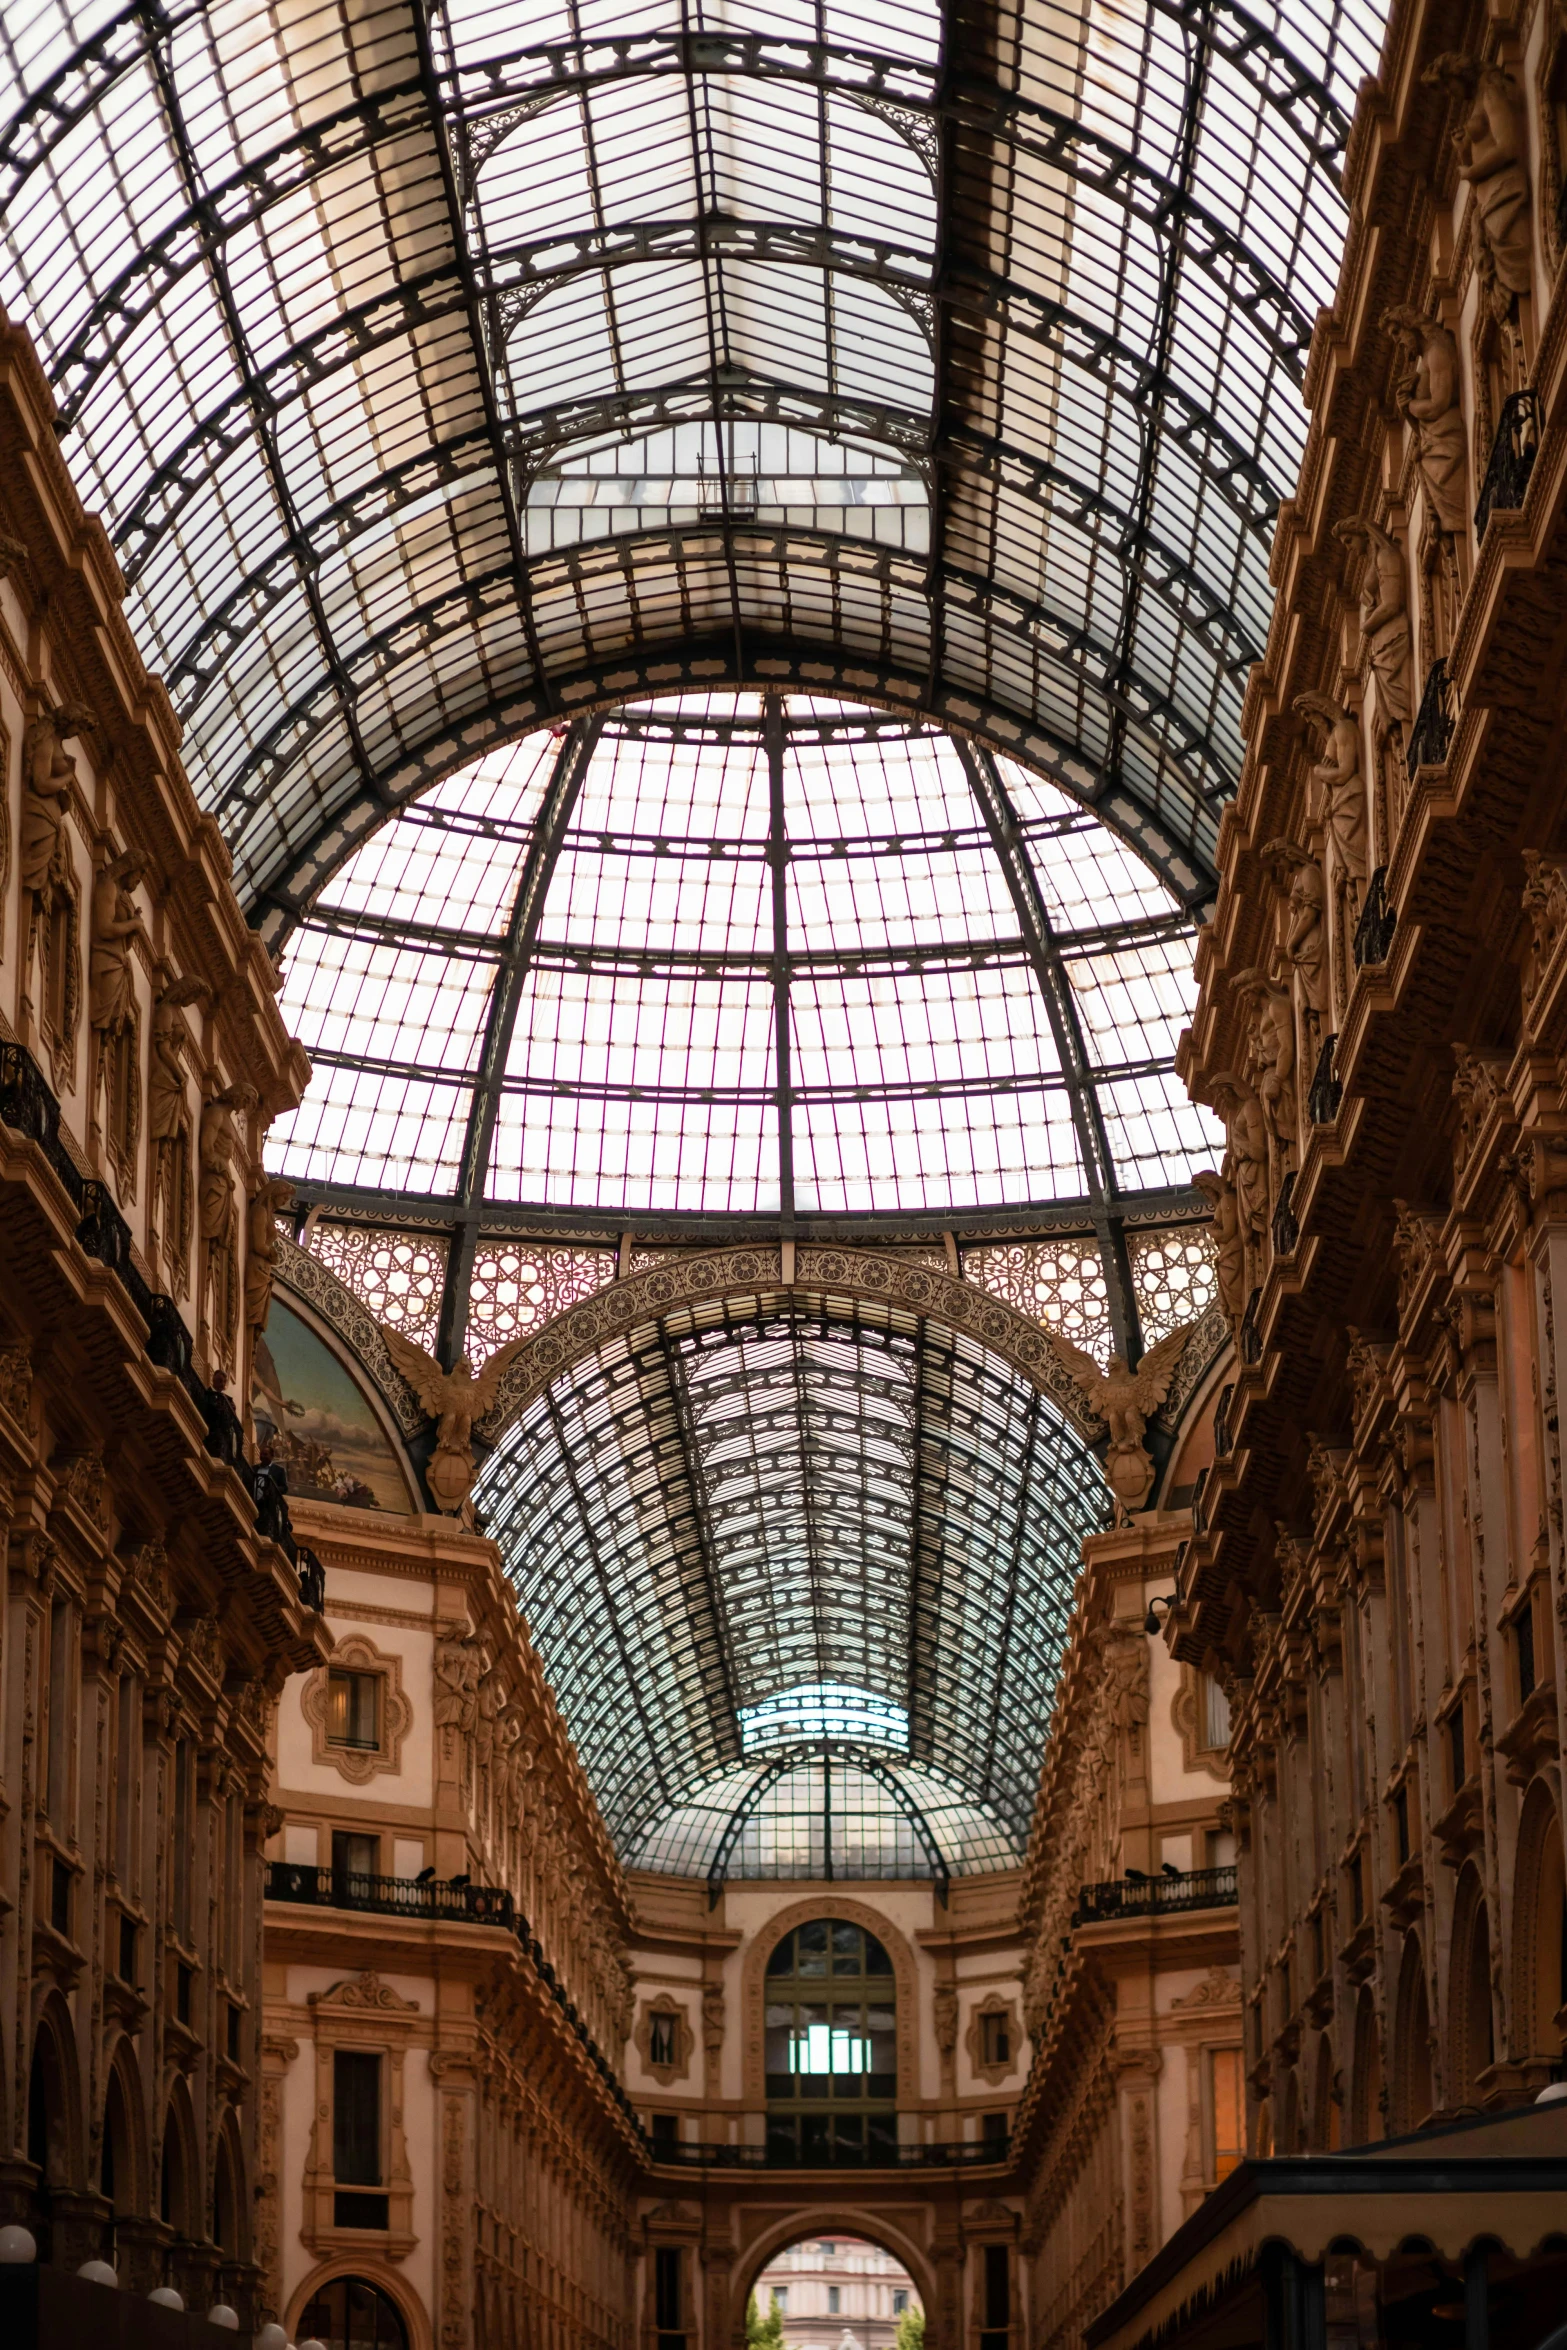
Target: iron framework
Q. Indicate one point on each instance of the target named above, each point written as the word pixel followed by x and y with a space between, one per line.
pixel 343 335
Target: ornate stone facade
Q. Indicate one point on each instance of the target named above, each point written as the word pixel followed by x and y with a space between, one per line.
pixel 1380 1580
pixel 448 1908
pixel 1131 1990
pixel 148 1621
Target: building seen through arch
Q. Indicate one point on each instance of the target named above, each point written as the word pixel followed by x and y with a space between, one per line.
pixel 782 1021
pixel 827 2287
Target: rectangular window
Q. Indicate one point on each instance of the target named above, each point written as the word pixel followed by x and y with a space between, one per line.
pixel 996 2038
pixel 666 2132
pixel 1401 1824
pixel 57 1800
pixel 900 2302
pixel 125 1778
pixel 998 2289
pixel 661 2039
pixel 354 1855
pixel 356 2118
pixel 1229 2110
pixel 128 1950
pixel 60 1899
pixel 668 2296
pixel 993 2129
pixel 1455 1741
pixel 1216 1714
pixel 184 1989
pixel 1523 1641
pixel 834 2297
pixel 353 1709
pixel 781 2299
pixel 829 2048
pixel 182 1839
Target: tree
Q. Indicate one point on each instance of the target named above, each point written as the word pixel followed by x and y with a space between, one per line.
pixel 911 2329
pixel 766 2333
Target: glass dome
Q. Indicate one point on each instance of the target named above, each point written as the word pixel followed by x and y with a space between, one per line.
pixel 836 1813
pixel 739 954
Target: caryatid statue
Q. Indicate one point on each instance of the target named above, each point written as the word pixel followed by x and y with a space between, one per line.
pixel 1492 153
pixel 270 1196
pixel 1338 776
pixel 48 771
pixel 1298 876
pixel 115 924
pixel 1229 1244
pixel 1247 1165
pixel 1384 617
pixel 1427 394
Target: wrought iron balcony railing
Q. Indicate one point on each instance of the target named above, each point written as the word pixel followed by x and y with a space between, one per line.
pixel 1374 931
pixel 1512 457
pixel 1134 1896
pixel 29 1107
pixel 886 2154
pixel 1286 1228
pixel 1326 1095
pixel 1432 733
pixel 433 1897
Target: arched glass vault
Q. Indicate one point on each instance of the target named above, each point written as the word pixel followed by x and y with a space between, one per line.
pixel 766 1495
pixel 436 383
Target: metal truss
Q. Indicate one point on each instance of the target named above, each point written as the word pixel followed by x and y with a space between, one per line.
pixel 891 1509
pixel 830 1751
pixel 452 117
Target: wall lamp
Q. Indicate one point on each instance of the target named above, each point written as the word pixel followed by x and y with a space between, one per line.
pixel 1151 1623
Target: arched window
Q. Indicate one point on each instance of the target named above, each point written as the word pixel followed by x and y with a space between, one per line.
pixel 1411 2042
pixel 1541 1931
pixel 352 2314
pixel 832 2048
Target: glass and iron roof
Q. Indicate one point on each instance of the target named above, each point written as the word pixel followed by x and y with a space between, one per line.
pixel 446 372
pixel 751 1534
pixel 734 955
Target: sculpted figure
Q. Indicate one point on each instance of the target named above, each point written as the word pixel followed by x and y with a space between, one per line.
pixel 215 1149
pixel 1229 1241
pixel 1427 394
pixel 1338 776
pixel 1125 1400
pixel 115 922
pixel 1273 1054
pixel 1241 1111
pixel 1384 617
pixel 48 771
pixel 1492 157
pixel 457 1664
pixel 454 1399
pixel 268 1199
pixel 166 1075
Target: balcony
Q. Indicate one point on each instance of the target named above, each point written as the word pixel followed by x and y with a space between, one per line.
pixel 346 1890
pixel 1135 1896
pixel 961 2153
pixel 1512 457
pixel 29 1107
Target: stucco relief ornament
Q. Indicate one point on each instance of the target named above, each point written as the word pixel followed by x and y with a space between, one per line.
pixel 455 1400
pixel 1492 156
pixel 1126 1400
pixel 1426 395
pixel 1339 778
pixel 1384 618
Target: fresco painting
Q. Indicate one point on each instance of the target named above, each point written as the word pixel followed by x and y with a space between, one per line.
pixel 311 1415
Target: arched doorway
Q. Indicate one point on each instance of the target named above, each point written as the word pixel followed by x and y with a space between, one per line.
pixel 825 2292
pixel 837 2223
pixel 350 2313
